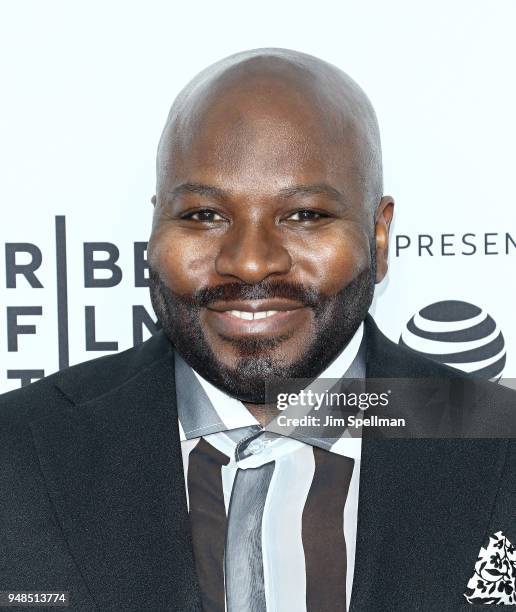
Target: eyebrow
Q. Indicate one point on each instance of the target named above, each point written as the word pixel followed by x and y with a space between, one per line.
pixel 315 189
pixel 287 192
pixel 200 189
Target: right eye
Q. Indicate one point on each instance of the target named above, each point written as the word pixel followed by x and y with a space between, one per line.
pixel 205 214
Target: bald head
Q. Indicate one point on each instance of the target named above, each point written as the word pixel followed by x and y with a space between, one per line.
pixel 261 110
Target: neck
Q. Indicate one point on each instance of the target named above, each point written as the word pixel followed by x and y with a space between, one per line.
pixel 263 413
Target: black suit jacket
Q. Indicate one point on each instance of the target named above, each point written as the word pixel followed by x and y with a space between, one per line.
pixel 93 502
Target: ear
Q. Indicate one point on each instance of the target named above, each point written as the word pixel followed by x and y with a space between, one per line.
pixel 383 218
pixel 153 200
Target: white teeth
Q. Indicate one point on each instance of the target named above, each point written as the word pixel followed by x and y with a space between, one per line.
pixel 250 316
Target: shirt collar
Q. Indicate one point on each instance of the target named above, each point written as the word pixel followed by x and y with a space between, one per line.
pixel 204 409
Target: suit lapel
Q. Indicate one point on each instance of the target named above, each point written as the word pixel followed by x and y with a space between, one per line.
pixel 114 473
pixel 424 511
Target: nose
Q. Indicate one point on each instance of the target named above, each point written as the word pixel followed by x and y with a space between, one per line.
pixel 251 253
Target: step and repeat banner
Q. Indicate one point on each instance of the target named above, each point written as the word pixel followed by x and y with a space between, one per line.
pixel 87 90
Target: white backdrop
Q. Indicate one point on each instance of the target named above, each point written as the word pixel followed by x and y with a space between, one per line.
pixel 85 91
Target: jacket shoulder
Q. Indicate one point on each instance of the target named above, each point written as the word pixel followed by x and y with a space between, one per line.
pixel 80 383
pixel 491 404
pixel 386 359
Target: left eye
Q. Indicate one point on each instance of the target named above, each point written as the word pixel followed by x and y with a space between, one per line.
pixel 204 215
pixel 306 215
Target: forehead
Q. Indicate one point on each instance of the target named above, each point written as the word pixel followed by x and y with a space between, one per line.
pixel 263 136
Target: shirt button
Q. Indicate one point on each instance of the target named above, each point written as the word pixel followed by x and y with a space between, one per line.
pixel 256 446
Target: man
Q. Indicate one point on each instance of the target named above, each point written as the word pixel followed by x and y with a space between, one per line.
pixel 158 479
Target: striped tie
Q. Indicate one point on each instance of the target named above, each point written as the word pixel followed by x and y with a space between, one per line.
pixel 244 560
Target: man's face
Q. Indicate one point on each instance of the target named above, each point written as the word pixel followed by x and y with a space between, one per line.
pixel 262 249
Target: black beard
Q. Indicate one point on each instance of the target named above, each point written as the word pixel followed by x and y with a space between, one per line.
pixel 336 318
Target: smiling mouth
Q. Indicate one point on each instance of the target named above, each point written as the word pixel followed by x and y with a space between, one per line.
pixel 267 317
pixel 252 316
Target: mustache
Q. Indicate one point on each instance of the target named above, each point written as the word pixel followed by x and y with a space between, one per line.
pixel 233 291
